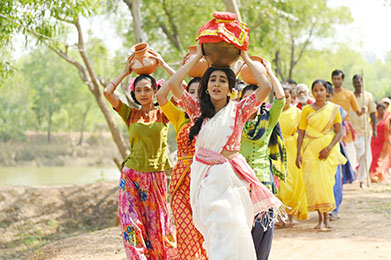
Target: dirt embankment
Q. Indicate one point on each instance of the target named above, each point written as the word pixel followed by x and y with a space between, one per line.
pixel 78 223
pixel 32 217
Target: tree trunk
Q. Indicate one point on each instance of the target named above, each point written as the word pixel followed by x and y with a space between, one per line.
pixel 95 89
pixel 233 7
pixel 134 7
pixel 292 63
pixel 50 121
pixel 278 66
pixel 83 123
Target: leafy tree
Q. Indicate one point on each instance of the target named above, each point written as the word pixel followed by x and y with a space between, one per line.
pixel 284 30
pixel 47 21
pixel 15 108
pixel 52 84
pixel 319 64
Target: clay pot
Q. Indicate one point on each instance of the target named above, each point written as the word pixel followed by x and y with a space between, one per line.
pixel 142 62
pixel 220 54
pixel 200 67
pixel 246 74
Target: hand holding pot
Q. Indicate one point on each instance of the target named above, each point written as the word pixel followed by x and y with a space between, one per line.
pixel 156 55
pixel 142 62
pixel 128 69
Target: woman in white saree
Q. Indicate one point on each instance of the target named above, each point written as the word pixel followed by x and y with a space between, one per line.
pixel 223 207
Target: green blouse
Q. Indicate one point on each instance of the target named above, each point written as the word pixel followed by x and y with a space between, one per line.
pixel 147 138
pixel 256 152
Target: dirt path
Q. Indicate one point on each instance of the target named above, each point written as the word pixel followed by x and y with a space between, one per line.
pixel 362 232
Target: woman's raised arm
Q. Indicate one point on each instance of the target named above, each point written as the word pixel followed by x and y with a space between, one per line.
pixel 110 88
pixel 259 73
pixel 175 82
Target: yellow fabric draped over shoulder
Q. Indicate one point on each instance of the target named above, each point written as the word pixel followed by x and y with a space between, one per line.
pixel 319 175
pixel 292 192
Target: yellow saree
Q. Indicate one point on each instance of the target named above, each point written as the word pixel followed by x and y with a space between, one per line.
pixel 319 174
pixel 292 191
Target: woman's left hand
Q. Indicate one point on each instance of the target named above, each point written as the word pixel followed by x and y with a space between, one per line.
pixel 267 64
pixel 324 153
pixel 259 66
pixel 244 56
pixel 156 55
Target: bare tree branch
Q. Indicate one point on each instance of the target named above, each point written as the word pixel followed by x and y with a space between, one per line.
pixel 134 7
pixel 173 37
pixel 278 66
pixel 307 42
pixel 233 7
pixel 65 20
pixel 82 71
pixel 86 60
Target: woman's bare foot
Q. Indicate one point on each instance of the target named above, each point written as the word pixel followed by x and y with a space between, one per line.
pixel 326 221
pixel 320 226
pixel 291 221
pixel 280 224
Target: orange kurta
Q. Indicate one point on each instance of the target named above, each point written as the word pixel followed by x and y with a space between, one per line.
pixel 189 239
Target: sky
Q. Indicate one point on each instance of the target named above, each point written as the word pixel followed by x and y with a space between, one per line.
pixel 369 33
pixel 370 28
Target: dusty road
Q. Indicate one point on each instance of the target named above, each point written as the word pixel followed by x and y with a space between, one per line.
pixel 363 230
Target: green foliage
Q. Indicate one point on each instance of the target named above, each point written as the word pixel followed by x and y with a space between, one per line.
pixel 44 83
pixel 288 27
pixel 42 18
pixel 14 108
pixel 319 64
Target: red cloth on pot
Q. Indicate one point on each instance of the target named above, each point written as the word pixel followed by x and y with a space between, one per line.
pixel 224 27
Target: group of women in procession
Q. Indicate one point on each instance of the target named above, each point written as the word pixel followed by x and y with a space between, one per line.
pixel 240 163
pixel 223 185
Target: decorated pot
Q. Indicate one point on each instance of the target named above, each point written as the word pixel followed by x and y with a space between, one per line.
pixel 142 62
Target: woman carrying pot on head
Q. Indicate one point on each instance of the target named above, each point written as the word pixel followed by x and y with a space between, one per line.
pixel 189 239
pixel 147 231
pixel 223 207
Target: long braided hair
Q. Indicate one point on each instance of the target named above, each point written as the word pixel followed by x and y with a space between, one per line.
pixel 207 107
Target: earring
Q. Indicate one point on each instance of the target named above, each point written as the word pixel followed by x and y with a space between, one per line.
pixel 206 91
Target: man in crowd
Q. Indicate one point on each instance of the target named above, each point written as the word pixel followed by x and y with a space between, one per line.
pixel 291 83
pixel 346 99
pixel 364 130
pixel 303 96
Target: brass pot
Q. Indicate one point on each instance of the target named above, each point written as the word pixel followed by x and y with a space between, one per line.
pixel 220 54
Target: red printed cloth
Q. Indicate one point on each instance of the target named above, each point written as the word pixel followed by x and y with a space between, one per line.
pixel 224 27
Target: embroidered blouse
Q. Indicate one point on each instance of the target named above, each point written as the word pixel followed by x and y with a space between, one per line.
pixel 256 151
pixel 243 110
pixel 147 138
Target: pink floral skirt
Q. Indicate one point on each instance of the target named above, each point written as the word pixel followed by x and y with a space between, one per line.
pixel 147 231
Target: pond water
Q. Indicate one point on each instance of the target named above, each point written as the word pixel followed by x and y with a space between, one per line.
pixel 22 176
